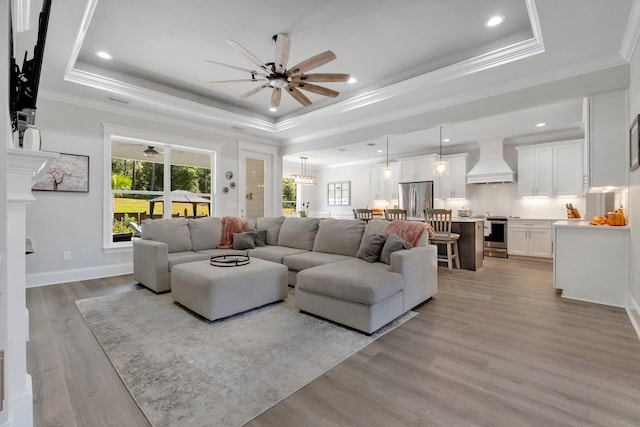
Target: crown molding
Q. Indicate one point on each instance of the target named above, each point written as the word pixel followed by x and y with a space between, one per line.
pixel 632 33
pixel 130 111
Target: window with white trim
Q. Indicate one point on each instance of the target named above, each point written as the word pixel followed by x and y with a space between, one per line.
pixel 144 175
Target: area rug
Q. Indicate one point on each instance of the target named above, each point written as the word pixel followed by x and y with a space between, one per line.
pixel 186 371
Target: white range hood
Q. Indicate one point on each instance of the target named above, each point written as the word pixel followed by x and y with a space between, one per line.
pixel 491 167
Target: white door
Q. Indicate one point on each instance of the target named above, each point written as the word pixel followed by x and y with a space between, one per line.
pixel 517 241
pixel 255 184
pixel 540 243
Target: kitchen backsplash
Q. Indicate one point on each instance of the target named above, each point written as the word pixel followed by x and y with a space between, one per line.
pixel 503 199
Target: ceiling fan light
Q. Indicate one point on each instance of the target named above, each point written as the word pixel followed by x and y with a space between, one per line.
pixel 151 152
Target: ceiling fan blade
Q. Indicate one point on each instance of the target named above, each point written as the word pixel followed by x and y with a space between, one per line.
pixel 311 63
pixel 233 67
pixel 298 96
pixel 316 89
pixel 283 43
pixel 275 97
pixel 326 77
pixel 250 56
pixel 253 91
pixel 238 81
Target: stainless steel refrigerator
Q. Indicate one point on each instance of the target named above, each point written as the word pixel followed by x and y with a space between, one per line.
pixel 415 197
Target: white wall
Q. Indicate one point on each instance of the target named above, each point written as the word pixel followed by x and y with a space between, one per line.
pixel 633 208
pixel 59 222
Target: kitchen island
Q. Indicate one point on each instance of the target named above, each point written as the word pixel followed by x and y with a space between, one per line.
pixel 591 263
pixel 471 242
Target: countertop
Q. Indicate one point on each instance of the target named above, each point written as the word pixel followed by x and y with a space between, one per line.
pixel 466 219
pixel 585 224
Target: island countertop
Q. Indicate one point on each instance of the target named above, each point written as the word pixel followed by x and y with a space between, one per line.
pixel 585 224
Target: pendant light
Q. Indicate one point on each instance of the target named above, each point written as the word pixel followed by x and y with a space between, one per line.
pixel 302 178
pixel 441 167
pixel 387 169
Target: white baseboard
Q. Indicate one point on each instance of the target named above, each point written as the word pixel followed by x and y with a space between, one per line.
pixel 64 276
pixel 633 311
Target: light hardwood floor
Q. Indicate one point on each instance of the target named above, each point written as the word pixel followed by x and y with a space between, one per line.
pixel 495 347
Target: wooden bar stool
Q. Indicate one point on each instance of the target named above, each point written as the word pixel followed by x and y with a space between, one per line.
pixel 391 214
pixel 363 214
pixel 440 220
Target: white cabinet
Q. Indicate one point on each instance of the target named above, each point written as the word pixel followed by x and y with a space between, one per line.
pixel 417 168
pixel 535 170
pixel 607 138
pixel 453 186
pixel 529 238
pixel 381 188
pixel 554 169
pixel 568 174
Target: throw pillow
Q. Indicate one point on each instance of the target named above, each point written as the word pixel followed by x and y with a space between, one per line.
pixel 393 243
pixel 261 238
pixel 244 240
pixel 371 247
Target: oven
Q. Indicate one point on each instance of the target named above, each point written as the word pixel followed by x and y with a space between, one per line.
pixel 495 237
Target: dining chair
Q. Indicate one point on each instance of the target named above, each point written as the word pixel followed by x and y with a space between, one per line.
pixel 440 220
pixel 363 214
pixel 391 214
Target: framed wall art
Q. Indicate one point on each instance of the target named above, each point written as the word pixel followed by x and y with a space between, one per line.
pixel 339 193
pixel 68 172
pixel 634 144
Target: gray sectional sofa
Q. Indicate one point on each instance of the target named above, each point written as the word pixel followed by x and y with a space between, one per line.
pixel 330 280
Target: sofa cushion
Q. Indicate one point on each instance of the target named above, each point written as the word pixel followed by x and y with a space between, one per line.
pixel 172 231
pixel 376 226
pixel 393 243
pixel 371 247
pixel 176 258
pixel 205 232
pixel 302 261
pixel 272 225
pixel 352 280
pixel 273 253
pixel 339 236
pixel 298 233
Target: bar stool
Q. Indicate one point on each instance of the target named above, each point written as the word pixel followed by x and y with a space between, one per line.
pixel 440 220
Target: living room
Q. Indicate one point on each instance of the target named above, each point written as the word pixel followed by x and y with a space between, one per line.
pixel 80 118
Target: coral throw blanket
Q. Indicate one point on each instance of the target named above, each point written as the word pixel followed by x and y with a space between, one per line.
pixel 230 225
pixel 411 231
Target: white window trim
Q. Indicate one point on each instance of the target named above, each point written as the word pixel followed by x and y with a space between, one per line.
pixel 141 136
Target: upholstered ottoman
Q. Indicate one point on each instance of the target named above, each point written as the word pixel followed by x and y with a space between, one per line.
pixel 217 292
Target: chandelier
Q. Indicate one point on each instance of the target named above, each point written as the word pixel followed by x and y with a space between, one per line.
pixel 302 177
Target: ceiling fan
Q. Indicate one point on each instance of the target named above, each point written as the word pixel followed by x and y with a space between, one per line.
pixel 277 76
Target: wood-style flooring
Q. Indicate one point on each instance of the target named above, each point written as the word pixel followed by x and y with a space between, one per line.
pixel 495 347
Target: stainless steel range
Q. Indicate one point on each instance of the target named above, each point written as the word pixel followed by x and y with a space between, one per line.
pixel 495 236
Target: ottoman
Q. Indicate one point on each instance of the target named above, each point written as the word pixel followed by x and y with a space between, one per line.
pixel 217 292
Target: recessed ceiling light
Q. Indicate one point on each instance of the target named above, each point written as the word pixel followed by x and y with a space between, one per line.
pixel 370 144
pixel 494 21
pixel 446 140
pixel 342 149
pixel 541 124
pixel 352 80
pixel 104 55
pixel 379 151
pixel 273 109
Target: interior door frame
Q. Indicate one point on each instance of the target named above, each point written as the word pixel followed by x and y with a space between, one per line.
pixel 272 175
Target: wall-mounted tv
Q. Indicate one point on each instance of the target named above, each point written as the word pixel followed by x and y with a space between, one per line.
pixel 24 81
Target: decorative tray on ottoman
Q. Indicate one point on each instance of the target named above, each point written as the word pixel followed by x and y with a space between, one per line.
pixel 229 260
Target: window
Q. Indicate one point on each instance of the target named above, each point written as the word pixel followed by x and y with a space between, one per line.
pixel 289 193
pixel 339 193
pixel 144 175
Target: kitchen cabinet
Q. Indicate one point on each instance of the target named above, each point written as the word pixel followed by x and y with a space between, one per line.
pixel 591 263
pixel 607 139
pixel 554 169
pixel 418 168
pixel 382 188
pixel 535 170
pixel 470 243
pixel 529 238
pixel 568 173
pixel 453 186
